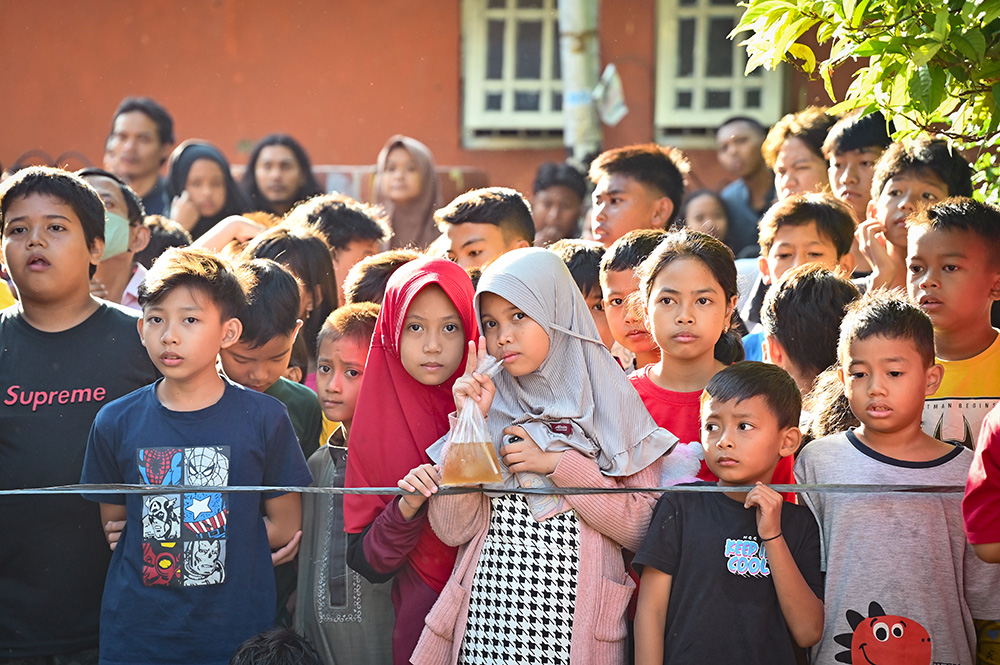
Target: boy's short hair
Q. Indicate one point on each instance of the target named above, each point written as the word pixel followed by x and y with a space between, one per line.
pixel 278 646
pixel 163 233
pixel 502 207
pixel 661 167
pixel 834 220
pixel 809 125
pixel 71 189
pixel 924 154
pixel 629 251
pixel 153 110
pixel 341 220
pixel 857 132
pixel 272 303
pixel 747 120
pixel 200 269
pixel 552 174
pixel 366 281
pixel 133 204
pixel 890 314
pixel 583 258
pixel 748 379
pixel 803 313
pixel 960 213
pixel 355 321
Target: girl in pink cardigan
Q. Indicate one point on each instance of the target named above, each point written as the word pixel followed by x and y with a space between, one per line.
pixel 541 579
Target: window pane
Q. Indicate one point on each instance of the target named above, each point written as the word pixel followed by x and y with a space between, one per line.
pixel 494 101
pixel 494 49
pixel 529 4
pixel 685 48
pixel 683 99
pixel 557 52
pixel 526 101
pixel 529 50
pixel 720 49
pixel 688 3
pixel 717 99
pixel 751 98
pixel 723 3
pixel 496 4
pixel 557 101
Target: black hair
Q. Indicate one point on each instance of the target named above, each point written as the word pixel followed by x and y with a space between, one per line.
pixel 200 269
pixel 830 411
pixel 355 321
pixel 963 214
pixel 747 120
pixel 272 303
pixel 809 125
pixel 748 379
pixel 310 186
pixel 163 233
pixel 583 258
pixel 367 280
pixel 803 313
pixel 629 251
pixel 890 314
pixel 833 218
pixel 307 256
pixel 299 357
pixel 858 132
pixel 719 259
pixel 278 646
pixel 661 167
pixel 552 174
pixel 924 154
pixel 153 110
pixel 502 207
pixel 341 220
pixel 136 212
pixel 71 189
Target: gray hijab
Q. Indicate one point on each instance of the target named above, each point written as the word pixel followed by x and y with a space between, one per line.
pixel 578 385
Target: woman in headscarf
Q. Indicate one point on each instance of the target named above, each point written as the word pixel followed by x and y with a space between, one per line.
pixel 406 187
pixel 201 187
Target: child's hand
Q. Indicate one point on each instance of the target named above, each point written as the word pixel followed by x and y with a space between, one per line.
pixel 874 245
pixel 288 552
pixel 184 211
pixel 473 384
pixel 97 288
pixel 423 480
pixel 113 532
pixel 768 504
pixel 525 455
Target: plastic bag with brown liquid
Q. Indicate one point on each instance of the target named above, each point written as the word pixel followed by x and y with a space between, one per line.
pixel 470 458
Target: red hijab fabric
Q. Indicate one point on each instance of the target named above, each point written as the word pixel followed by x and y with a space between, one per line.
pixel 397 417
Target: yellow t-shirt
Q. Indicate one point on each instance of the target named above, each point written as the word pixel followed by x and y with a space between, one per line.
pixel 6 297
pixel 329 427
pixel 970 388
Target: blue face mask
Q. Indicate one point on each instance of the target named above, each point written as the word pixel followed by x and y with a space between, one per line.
pixel 116 230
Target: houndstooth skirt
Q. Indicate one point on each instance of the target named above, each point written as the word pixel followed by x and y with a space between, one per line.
pixel 524 589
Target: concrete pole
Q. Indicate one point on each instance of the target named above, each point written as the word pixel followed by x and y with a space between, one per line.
pixel 580 73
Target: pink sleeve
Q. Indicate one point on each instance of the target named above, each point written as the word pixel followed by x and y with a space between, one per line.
pixel 981 505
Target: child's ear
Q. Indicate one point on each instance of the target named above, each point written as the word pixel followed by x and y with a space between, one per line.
pixel 994 291
pixel 934 375
pixel 139 238
pixel 791 439
pixel 298 327
pixel 518 244
pixel 840 376
pixel 96 250
pixel 846 264
pixel 872 209
pixel 765 274
pixel 232 329
pixel 138 325
pixel 662 210
pixel 773 351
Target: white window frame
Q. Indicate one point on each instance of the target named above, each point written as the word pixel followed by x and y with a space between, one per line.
pixel 506 128
pixel 695 127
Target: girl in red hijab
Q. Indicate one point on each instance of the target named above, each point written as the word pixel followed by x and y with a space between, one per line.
pixel 417 352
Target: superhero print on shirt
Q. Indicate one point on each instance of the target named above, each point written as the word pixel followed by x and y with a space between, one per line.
pixel 161 564
pixel 184 533
pixel 883 639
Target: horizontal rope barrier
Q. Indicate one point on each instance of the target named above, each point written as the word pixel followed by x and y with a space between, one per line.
pixel 395 491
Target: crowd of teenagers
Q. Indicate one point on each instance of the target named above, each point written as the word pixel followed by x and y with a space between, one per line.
pixel 826 320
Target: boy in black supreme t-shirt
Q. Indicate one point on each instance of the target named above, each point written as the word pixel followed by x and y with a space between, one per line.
pixel 63 355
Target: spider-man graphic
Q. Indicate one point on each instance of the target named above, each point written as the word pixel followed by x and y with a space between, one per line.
pixel 161 466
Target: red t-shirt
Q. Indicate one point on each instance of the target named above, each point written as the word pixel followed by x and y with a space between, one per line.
pixel 981 505
pixel 680 413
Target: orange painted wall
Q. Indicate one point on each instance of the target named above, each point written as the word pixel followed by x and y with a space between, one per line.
pixel 339 76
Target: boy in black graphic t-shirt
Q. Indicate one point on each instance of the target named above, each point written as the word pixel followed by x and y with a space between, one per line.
pixel 63 355
pixel 191 576
pixel 745 561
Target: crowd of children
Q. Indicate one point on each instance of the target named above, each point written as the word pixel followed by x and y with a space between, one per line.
pixel 651 389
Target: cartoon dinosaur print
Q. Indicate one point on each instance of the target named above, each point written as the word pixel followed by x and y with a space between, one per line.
pixel 883 639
